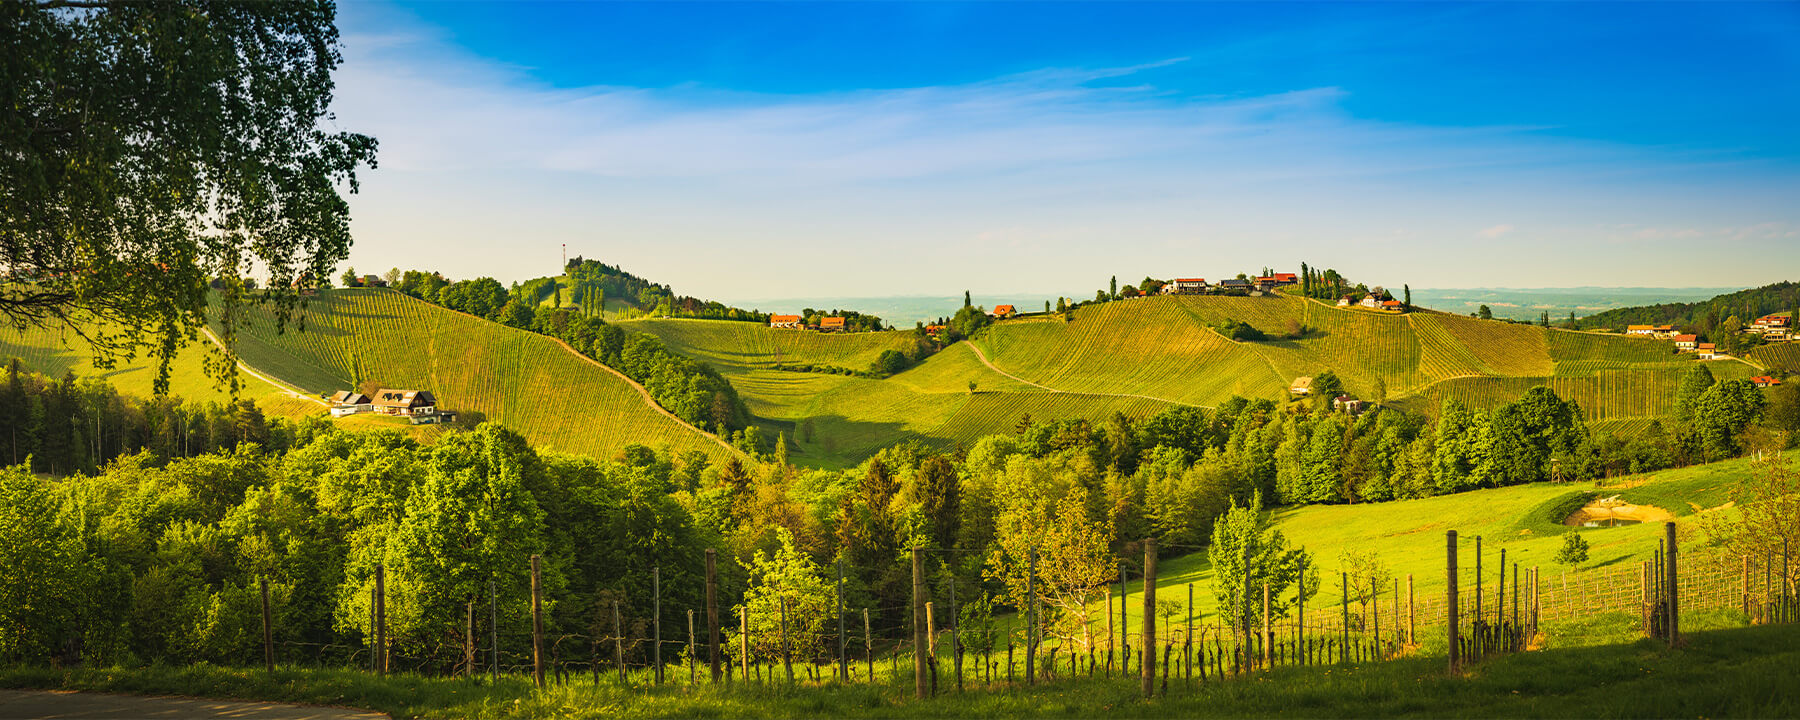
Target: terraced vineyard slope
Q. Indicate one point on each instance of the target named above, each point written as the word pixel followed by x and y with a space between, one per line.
pixel 535 385
pixel 1144 355
pixel 837 420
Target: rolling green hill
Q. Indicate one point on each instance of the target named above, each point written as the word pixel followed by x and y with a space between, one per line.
pixel 534 384
pixel 53 352
pixel 1139 356
pixel 851 417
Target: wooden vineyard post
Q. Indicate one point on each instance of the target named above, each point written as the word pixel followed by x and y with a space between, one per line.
pixel 1515 608
pixel 1268 653
pixel 787 660
pixel 469 642
pixel 1500 596
pixel 1477 620
pixel 1300 613
pixel 1124 627
pixel 1398 639
pixel 955 639
pixel 381 655
pixel 1344 630
pixel 931 643
pixel 918 613
pixel 1645 607
pixel 1450 596
pixel 493 631
pixel 618 643
pixel 1674 587
pixel 744 641
pixel 268 634
pixel 1110 651
pixel 1148 659
pixel 1375 608
pixel 868 646
pixel 656 624
pixel 1746 586
pixel 712 612
pixel 1187 637
pixel 843 633
pixel 537 624
pixel 1031 616
pixel 1412 615
pixel 693 667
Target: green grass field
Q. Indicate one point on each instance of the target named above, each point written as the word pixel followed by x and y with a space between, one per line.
pixel 555 397
pixel 1407 536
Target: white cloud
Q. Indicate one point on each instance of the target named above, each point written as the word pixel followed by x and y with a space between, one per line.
pixel 1494 232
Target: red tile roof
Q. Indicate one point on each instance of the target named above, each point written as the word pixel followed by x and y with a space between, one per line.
pixel 1686 338
pixel 784 318
pixel 1004 309
pixel 832 322
pixel 1190 280
pixel 1286 277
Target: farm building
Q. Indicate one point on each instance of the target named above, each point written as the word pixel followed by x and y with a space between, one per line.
pixel 350 402
pixel 1185 286
pixel 373 281
pixel 1287 278
pixel 784 321
pixel 934 330
pixel 1686 343
pixel 831 324
pixel 1763 381
pixel 1708 351
pixel 1004 311
pixel 1235 284
pixel 1346 404
pixel 1651 330
pixel 1391 305
pixel 405 402
pixel 1301 386
pixel 1346 301
pixel 1370 301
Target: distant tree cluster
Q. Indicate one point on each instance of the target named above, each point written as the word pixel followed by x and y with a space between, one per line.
pixel 1718 320
pixel 591 282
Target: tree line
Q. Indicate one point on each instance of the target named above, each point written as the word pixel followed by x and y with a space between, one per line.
pixel 1718 320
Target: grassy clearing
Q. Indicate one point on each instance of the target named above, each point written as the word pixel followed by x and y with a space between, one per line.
pixel 556 398
pixel 1408 535
pixel 1720 673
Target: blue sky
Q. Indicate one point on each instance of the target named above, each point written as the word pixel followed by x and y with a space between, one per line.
pixel 767 150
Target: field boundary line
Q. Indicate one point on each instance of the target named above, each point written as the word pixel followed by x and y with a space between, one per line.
pixel 283 386
pixel 991 366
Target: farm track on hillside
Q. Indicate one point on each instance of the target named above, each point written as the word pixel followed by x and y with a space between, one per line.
pixel 290 390
pixel 984 360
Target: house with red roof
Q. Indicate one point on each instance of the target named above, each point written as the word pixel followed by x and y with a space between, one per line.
pixel 1004 311
pixel 1763 381
pixel 832 324
pixel 1185 286
pixel 784 321
pixel 1686 343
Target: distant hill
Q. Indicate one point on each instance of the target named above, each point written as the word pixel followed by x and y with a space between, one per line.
pixel 1140 356
pixel 1531 303
pixel 1704 316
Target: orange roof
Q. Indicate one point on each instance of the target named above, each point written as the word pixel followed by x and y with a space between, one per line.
pixel 933 328
pixel 1003 309
pixel 1686 338
pixel 784 318
pixel 1707 346
pixel 837 322
pixel 1765 380
pixel 1390 303
pixel 1286 277
pixel 1190 280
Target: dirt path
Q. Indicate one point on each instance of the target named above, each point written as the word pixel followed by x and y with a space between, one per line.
pixel 643 393
pixel 60 705
pixel 284 387
pixel 984 360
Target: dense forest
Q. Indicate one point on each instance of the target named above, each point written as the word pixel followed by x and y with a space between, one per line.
pixel 1712 319
pixel 171 548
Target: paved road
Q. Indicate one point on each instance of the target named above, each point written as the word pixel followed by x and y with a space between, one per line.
pixel 61 705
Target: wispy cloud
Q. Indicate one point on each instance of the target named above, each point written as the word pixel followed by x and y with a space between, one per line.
pixel 1494 232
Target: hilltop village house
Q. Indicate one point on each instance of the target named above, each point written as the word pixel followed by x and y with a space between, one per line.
pixel 831 324
pixel 1763 381
pixel 1199 286
pixel 1773 327
pixel 1655 331
pixel 1004 311
pixel 784 321
pixel 419 406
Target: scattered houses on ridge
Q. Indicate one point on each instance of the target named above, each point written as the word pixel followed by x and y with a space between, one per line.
pixel 418 406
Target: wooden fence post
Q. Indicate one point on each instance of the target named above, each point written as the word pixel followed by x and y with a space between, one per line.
pixel 787 659
pixel 744 640
pixel 381 653
pixel 1148 660
pixel 1746 586
pixel 656 624
pixel 712 612
pixel 268 634
pixel 618 643
pixel 868 646
pixel 693 665
pixel 1299 614
pixel 843 662
pixel 537 624
pixel 955 637
pixel 1450 596
pixel 931 643
pixel 1344 636
pixel 1268 653
pixel 1031 616
pixel 469 642
pixel 1412 614
pixel 918 613
pixel 493 631
pixel 1674 587
pixel 1110 651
